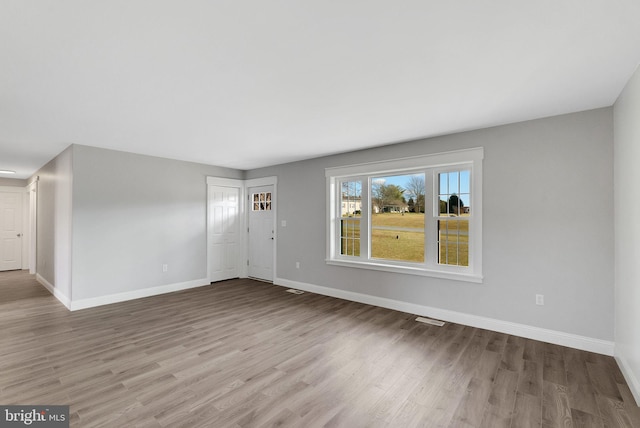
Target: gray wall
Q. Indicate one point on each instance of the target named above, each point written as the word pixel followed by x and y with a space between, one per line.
pixel 134 213
pixel 627 232
pixel 13 182
pixel 548 209
pixel 54 222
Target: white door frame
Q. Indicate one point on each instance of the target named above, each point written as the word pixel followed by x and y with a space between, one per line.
pixel 29 222
pixel 26 228
pixel 238 184
pixel 31 229
pixel 25 225
pixel 255 182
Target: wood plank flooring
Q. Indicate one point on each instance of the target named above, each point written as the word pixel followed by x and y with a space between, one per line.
pixel 243 353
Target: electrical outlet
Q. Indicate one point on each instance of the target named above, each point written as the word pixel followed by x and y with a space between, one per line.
pixel 297 265
pixel 165 267
pixel 540 299
pixel 284 223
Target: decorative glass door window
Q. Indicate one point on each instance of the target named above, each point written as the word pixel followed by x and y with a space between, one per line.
pixel 261 201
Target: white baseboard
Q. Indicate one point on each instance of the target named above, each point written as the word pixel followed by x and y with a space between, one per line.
pixel 56 293
pixel 136 294
pixel 630 377
pixel 551 336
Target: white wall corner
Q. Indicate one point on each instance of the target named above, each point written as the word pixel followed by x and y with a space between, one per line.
pixel 76 305
pixel 53 290
pixel 536 333
pixel 629 376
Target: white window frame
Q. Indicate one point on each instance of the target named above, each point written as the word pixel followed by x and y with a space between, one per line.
pixel 469 159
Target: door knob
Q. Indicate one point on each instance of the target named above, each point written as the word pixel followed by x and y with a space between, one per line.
pixel 19 235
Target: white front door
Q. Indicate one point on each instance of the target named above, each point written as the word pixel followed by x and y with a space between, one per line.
pixel 10 230
pixel 261 232
pixel 225 241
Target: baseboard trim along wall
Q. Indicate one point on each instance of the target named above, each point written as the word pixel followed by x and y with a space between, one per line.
pixel 551 336
pixel 75 305
pixel 56 293
pixel 632 380
pixel 136 294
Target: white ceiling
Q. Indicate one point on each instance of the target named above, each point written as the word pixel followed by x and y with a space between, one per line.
pixel 251 83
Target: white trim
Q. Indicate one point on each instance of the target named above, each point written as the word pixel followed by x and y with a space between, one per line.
pixel 331 229
pixel 264 181
pixel 409 163
pixel 398 268
pixel 26 230
pixel 551 336
pixel 53 290
pixel 236 184
pixel 136 294
pixel 629 376
pixel 32 189
pixel 225 182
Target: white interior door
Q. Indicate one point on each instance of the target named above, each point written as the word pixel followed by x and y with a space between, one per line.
pixel 261 232
pixel 224 233
pixel 10 230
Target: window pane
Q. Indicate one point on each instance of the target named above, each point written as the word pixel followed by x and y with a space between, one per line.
pixel 350 213
pixel 454 183
pixel 261 201
pixel 397 245
pixel 350 237
pixel 454 193
pixel 397 217
pixel 351 205
pixel 465 181
pixel 453 233
pixel 453 241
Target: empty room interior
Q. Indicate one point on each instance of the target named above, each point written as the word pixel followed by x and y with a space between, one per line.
pixel 310 214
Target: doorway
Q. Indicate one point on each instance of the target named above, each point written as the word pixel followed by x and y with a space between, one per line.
pixel 241 233
pixel 224 228
pixel 261 232
pixel 11 232
pixel 225 239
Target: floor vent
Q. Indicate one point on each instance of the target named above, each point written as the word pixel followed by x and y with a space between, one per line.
pixel 291 290
pixel 430 321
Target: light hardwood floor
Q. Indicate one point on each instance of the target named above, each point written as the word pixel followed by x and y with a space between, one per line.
pixel 243 353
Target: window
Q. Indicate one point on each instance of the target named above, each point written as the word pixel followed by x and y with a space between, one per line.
pixel 397 225
pixel 453 218
pixel 261 201
pixel 419 215
pixel 350 215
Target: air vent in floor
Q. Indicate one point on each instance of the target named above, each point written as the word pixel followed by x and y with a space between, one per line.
pixel 291 290
pixel 430 321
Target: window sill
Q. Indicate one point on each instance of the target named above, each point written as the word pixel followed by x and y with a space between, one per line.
pixel 456 276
